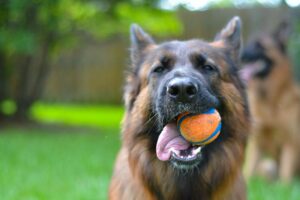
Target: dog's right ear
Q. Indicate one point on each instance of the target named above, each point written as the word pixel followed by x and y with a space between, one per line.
pixel 140 41
pixel 282 33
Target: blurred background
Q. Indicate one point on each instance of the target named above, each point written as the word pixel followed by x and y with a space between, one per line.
pixel 62 65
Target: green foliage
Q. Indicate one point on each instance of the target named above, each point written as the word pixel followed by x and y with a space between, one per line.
pixel 161 23
pixel 21 41
pixel 8 107
pixel 25 24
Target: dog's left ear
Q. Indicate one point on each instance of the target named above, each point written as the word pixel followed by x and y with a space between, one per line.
pixel 231 36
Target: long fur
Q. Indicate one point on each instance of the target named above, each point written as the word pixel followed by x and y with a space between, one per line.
pixel 138 174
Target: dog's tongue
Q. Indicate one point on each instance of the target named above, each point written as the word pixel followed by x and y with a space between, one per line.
pixel 247 72
pixel 249 69
pixel 170 139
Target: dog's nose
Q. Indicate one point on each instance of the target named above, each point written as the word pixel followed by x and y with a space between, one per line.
pixel 182 89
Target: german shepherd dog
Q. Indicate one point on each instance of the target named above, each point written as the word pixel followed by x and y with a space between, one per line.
pixel 275 105
pixel 167 79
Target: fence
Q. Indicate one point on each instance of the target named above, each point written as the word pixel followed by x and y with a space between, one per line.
pixel 93 72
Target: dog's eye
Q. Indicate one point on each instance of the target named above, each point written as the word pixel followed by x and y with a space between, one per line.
pixel 208 67
pixel 163 65
pixel 159 69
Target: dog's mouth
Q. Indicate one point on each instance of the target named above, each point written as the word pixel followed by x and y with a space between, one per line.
pixel 171 146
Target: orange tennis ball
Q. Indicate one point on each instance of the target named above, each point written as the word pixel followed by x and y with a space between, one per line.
pixel 201 128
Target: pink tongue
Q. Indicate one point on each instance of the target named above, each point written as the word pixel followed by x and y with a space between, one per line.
pixel 170 139
pixel 247 72
pixel 249 69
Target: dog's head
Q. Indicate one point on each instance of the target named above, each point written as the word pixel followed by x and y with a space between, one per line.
pixel 264 53
pixel 183 76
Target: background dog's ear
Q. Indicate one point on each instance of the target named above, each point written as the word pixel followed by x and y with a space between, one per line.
pixel 140 40
pixel 231 35
pixel 282 33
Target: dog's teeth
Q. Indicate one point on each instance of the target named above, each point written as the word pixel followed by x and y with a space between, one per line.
pixel 187 155
pixel 196 151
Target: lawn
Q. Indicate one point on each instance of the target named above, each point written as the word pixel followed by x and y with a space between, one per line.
pixel 70 163
pixel 104 116
pixel 65 164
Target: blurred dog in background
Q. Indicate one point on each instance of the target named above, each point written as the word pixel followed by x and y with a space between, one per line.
pixel 274 99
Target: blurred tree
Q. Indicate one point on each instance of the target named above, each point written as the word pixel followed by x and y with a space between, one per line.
pixel 32 32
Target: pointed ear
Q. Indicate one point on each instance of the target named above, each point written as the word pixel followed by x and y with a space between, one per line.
pixel 140 40
pixel 282 34
pixel 231 35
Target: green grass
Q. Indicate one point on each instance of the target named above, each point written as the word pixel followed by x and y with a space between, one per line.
pixel 56 164
pixel 262 190
pixel 72 114
pixel 76 163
